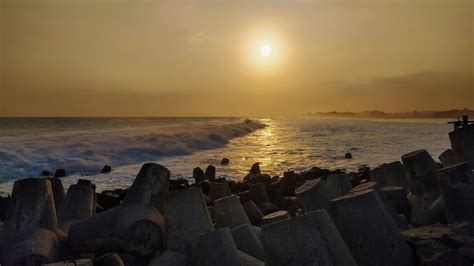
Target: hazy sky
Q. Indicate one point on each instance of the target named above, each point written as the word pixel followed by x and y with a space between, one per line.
pixel 201 58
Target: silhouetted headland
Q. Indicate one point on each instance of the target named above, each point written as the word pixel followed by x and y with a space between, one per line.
pixel 449 114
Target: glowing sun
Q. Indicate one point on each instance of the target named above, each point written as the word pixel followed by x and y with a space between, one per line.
pixel 266 50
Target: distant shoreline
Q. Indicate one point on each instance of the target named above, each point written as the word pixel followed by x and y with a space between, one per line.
pixel 450 114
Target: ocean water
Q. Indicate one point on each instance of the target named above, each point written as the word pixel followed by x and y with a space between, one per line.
pixel 83 145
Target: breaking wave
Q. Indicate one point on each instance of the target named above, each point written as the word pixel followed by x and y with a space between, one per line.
pixel 87 151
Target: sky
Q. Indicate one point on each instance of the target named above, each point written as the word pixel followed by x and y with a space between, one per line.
pixel 202 57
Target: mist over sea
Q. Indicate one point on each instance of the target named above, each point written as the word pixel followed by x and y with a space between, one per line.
pixel 83 146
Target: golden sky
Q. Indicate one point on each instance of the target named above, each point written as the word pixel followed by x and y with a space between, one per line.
pixel 201 57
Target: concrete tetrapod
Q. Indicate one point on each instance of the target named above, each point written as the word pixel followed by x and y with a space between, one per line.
pixel 275 217
pixel 313 195
pixel 422 171
pixel 247 260
pixel 169 258
pixel 32 247
pixel 136 229
pixel 339 184
pixel 398 198
pixel 462 142
pixel 217 190
pixel 217 248
pixel 401 223
pixel 109 259
pixel 77 205
pixel 309 239
pixel 30 232
pixel 229 212
pixel 389 174
pixel 149 187
pixel 58 192
pixel 258 194
pixel 458 198
pixel 254 214
pixel 369 231
pixel 247 241
pixel 187 217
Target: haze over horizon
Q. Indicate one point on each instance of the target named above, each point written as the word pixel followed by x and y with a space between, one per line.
pixel 234 58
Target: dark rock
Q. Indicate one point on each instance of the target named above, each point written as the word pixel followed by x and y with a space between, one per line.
pixel 45 173
pixel 439 244
pixel 348 155
pixel 106 169
pixel 225 161
pixel 60 173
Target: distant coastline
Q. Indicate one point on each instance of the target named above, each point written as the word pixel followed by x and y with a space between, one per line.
pixel 449 114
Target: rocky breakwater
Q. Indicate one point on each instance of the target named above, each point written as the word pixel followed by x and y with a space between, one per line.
pixel 413 212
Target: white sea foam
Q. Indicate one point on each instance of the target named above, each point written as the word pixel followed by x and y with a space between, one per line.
pixel 88 150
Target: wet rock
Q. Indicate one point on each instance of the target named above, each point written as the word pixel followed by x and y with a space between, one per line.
pixel 60 173
pixel 348 155
pixel 210 172
pixel 225 161
pixel 106 169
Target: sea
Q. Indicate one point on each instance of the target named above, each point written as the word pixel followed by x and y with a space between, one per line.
pixel 82 146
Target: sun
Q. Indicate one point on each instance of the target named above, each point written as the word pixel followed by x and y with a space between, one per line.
pixel 265 50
